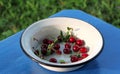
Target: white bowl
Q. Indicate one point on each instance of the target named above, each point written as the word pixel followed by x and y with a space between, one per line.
pixel 51 26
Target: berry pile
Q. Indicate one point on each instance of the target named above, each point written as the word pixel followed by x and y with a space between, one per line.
pixel 72 46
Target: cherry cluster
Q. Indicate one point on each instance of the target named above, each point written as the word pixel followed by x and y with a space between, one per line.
pixel 71 44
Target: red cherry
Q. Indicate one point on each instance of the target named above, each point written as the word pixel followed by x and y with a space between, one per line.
pixel 50 41
pixel 80 58
pixel 66 50
pixel 52 51
pixel 84 55
pixel 56 46
pixel 44 46
pixel 83 50
pixel 67 45
pixel 53 60
pixel 36 52
pixel 58 52
pixel 72 39
pixel 59 38
pixel 45 41
pixel 74 58
pixel 75 48
pixel 80 42
pixel 44 51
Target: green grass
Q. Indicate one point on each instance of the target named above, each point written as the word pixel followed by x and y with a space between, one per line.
pixel 16 15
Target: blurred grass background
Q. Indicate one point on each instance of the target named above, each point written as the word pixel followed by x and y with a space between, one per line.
pixel 16 15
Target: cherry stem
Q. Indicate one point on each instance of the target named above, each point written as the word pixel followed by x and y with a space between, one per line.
pixel 50 46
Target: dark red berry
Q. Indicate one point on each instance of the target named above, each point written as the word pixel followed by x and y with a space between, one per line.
pixel 53 60
pixel 67 45
pixel 44 46
pixel 56 46
pixel 72 39
pixel 83 50
pixel 66 50
pixel 36 52
pixel 80 58
pixel 80 42
pixel 44 51
pixel 59 38
pixel 52 51
pixel 84 55
pixel 75 48
pixel 74 58
pixel 58 52
pixel 45 41
pixel 50 41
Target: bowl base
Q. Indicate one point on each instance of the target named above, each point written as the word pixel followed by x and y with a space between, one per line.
pixel 61 69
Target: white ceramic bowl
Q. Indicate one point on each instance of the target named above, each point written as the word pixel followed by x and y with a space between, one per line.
pixel 51 26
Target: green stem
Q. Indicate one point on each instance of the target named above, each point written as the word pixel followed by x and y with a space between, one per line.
pixel 50 46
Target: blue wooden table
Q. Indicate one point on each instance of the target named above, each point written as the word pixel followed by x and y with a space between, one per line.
pixel 14 61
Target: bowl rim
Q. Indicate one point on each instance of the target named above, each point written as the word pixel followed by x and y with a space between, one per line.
pixel 62 66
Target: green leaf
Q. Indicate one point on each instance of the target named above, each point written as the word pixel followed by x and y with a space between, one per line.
pixel 61 61
pixel 78 56
pixel 68 28
pixel 66 38
pixel 62 36
pixel 48 52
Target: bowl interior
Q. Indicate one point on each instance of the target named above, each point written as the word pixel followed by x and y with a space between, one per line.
pixel 50 28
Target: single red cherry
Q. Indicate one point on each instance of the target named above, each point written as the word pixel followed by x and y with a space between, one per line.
pixel 44 46
pixel 84 55
pixel 66 50
pixel 36 52
pixel 56 46
pixel 59 38
pixel 53 60
pixel 58 52
pixel 74 58
pixel 67 45
pixel 83 50
pixel 72 39
pixel 75 48
pixel 80 58
pixel 52 51
pixel 44 51
pixel 50 41
pixel 45 41
pixel 80 42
